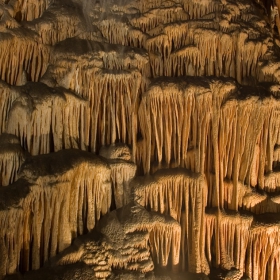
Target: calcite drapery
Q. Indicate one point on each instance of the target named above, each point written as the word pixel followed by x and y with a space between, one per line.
pixel 124 236
pixel 37 113
pixel 56 197
pixel 182 195
pixel 123 171
pixel 191 86
pixel 11 158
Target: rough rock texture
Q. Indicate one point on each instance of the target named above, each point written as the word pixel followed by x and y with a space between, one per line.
pixel 122 240
pixel 182 195
pixel 46 119
pixel 56 197
pixel 123 171
pixel 140 138
pixel 11 158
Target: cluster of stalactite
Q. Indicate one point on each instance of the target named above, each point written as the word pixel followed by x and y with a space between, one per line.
pixel 249 244
pixel 45 119
pixel 51 203
pixel 28 10
pixel 7 97
pixel 180 138
pixel 208 146
pixel 11 158
pixel 155 17
pixel 109 116
pixel 165 240
pixel 198 9
pixel 182 195
pixel 227 237
pixel 204 52
pixel 178 45
pixel 58 25
pixel 123 170
pixel 207 126
pixel 211 237
pixel 272 10
pixel 244 153
pixel 125 239
pixel 122 173
pixel 111 84
pixel 22 54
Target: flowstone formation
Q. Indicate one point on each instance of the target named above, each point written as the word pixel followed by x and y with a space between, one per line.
pixel 140 139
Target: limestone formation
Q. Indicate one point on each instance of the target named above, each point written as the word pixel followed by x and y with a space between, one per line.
pixel 56 197
pixel 12 157
pixel 139 139
pixel 122 240
pixel 37 115
pixel 182 195
pixel 122 172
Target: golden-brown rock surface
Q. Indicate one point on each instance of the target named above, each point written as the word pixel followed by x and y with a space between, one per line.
pixel 140 139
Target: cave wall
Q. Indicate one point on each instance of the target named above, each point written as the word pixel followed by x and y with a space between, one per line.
pixel 173 105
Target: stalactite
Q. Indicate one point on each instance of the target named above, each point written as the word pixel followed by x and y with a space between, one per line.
pixel 37 115
pixel 114 29
pixel 271 8
pixel 114 93
pixel 187 129
pixel 250 245
pixel 22 51
pixel 122 171
pixel 155 17
pixel 113 111
pixel 263 248
pixel 52 202
pixel 261 203
pixel 204 51
pixel 58 24
pixel 255 200
pixel 210 226
pixel 227 235
pixel 145 6
pixel 233 230
pixel 7 97
pixel 88 74
pixel 7 20
pixel 204 47
pixel 27 10
pixel 275 14
pixel 198 9
pixel 272 182
pixel 171 192
pixel 137 39
pixel 165 238
pixel 247 146
pixel 11 158
pixel 124 239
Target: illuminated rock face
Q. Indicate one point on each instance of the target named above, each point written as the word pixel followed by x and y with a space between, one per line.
pixel 137 135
